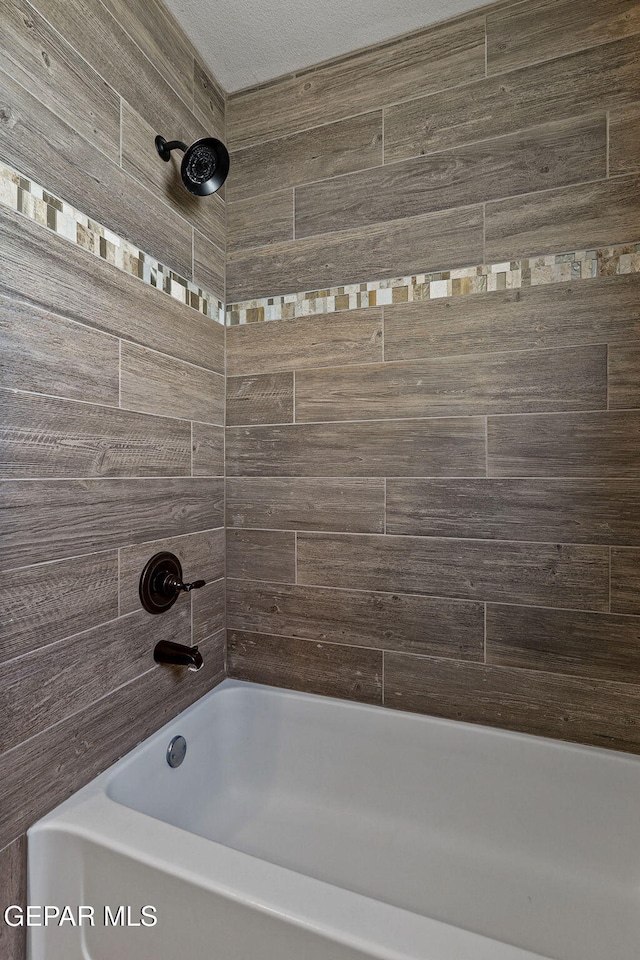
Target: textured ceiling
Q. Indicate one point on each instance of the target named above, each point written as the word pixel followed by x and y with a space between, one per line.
pixel 248 41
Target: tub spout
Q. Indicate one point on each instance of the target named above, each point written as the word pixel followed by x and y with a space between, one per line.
pixel 166 651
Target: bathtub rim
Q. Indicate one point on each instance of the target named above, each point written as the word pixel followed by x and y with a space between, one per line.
pixel 352 919
pixel 236 875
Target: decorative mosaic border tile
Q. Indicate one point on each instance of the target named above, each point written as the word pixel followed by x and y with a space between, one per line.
pixel 33 201
pixel 554 268
pixel 29 198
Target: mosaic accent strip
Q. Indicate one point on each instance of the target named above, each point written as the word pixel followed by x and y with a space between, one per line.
pixel 33 201
pixel 554 268
pixel 29 198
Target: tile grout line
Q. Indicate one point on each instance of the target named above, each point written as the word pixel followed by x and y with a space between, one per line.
pixel 16 839
pixel 485 605
pixel 486 446
pixel 429 537
pixel 374 591
pixel 225 655
pixel 484 234
pixel 127 478
pixel 486 48
pixel 348 480
pixel 583 480
pixel 121 119
pixel 573 411
pixel 118 574
pixel 384 514
pixel 225 658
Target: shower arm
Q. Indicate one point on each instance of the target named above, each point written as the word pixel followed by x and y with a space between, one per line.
pixel 164 147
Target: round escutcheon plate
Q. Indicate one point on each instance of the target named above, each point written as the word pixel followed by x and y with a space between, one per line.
pixel 154 596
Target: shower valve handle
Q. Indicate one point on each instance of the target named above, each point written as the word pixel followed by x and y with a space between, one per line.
pixel 193 586
pixel 172 583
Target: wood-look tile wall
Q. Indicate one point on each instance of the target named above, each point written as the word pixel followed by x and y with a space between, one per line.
pixel 509 132
pixel 436 507
pixel 112 404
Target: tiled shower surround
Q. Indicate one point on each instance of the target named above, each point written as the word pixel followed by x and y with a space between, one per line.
pixel 433 444
pixel 432 449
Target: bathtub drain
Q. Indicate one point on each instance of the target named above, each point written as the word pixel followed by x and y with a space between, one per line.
pixel 176 751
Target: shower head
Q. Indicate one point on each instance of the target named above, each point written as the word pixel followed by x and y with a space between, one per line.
pixel 204 166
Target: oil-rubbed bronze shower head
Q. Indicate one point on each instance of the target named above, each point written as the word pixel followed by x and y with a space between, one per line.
pixel 204 166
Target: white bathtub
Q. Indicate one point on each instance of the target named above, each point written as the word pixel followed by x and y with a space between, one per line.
pixel 303 828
